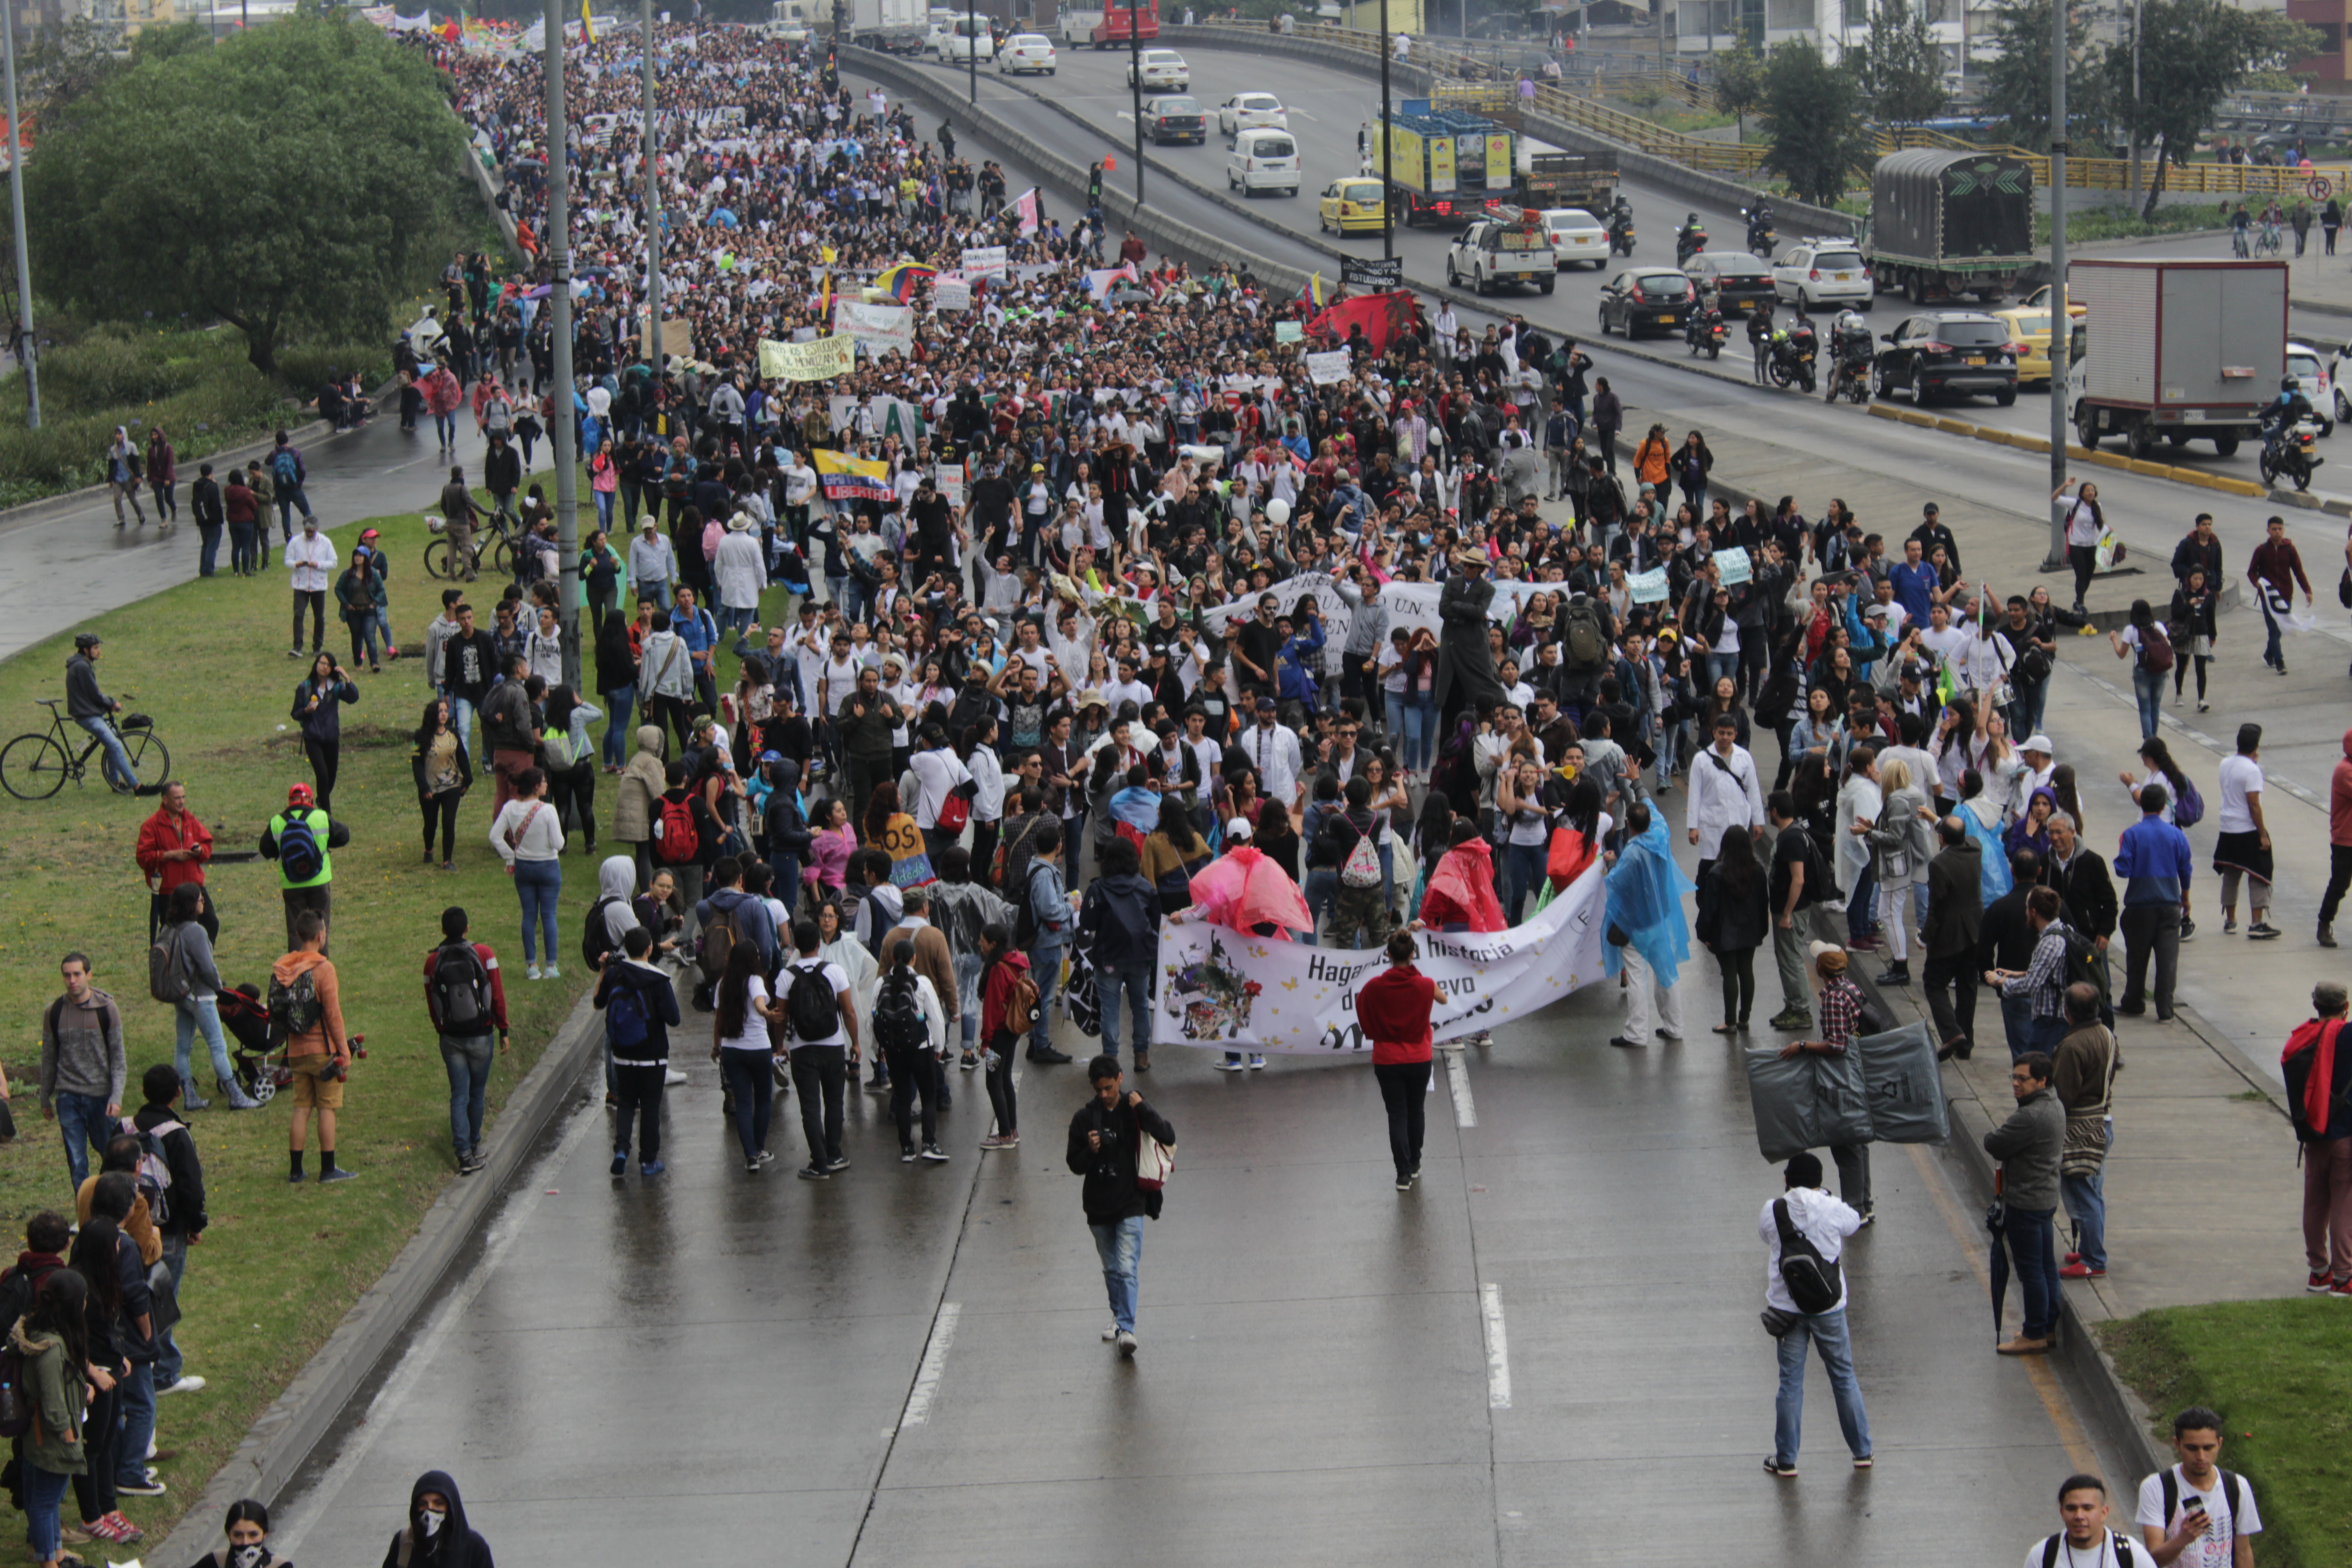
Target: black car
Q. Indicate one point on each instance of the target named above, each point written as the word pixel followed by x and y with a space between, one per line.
pixel 1740 281
pixel 1175 120
pixel 1947 353
pixel 1647 300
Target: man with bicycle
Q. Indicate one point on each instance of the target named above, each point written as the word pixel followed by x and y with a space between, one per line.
pixel 93 709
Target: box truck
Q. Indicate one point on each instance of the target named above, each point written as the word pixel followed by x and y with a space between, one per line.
pixel 1946 225
pixel 2175 351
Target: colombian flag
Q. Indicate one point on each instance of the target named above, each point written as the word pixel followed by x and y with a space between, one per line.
pixel 825 300
pixel 899 281
pixel 1315 289
pixel 587 23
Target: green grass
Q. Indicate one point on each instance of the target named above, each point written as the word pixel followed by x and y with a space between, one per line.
pixel 2277 1373
pixel 2084 226
pixel 280 1265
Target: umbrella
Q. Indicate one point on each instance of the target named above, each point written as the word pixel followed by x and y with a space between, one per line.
pixel 1997 1222
pixel 1245 888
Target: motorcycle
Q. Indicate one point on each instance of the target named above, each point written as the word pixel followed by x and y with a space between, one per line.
pixel 1792 358
pixel 1706 329
pixel 1850 360
pixel 1621 234
pixel 2293 453
pixel 1688 243
pixel 1760 233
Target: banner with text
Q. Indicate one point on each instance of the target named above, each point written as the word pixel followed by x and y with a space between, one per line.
pixel 1369 272
pixel 1322 587
pixel 984 260
pixel 820 359
pixel 1228 990
pixel 879 328
pixel 1414 606
pixel 845 478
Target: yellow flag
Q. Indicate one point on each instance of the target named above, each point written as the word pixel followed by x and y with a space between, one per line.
pixel 587 23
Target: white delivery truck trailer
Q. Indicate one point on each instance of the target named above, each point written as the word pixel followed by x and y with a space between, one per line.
pixel 2176 351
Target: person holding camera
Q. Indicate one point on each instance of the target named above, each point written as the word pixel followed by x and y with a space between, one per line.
pixel 1106 1135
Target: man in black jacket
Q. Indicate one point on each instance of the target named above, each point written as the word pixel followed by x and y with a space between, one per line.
pixel 1933 530
pixel 183 1225
pixel 204 504
pixel 2084 886
pixel 1119 923
pixel 1105 1137
pixel 1948 936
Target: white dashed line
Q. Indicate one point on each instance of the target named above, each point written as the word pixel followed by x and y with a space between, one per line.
pixel 935 1362
pixel 1498 1350
pixel 1466 1110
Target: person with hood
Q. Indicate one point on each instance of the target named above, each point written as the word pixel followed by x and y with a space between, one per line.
pixel 1461 894
pixel 319 1056
pixel 1004 983
pixel 436 1535
pixel 1463 654
pixel 640 1009
pixel 1646 936
pixel 963 909
pixel 1106 1140
pixel 2322 1113
pixel 51 1342
pixel 247 1529
pixel 637 801
pixel 123 471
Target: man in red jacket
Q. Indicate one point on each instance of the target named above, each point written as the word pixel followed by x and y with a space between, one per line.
pixel 172 849
pixel 1394 1007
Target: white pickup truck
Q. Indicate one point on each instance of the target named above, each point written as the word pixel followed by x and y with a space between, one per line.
pixel 1516 248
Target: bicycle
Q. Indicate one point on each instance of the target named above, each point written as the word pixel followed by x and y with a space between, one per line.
pixel 2266 243
pixel 36 764
pixel 497 554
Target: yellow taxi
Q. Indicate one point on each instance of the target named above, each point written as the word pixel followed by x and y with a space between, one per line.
pixel 2029 328
pixel 1350 206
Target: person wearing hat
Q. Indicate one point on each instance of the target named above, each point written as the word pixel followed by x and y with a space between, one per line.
pixel 740 570
pixel 1838 1007
pixel 301 839
pixel 1464 657
pixel 652 562
pixel 2037 752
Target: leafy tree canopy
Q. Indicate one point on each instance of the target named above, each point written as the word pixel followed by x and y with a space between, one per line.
pixel 1901 66
pixel 1812 112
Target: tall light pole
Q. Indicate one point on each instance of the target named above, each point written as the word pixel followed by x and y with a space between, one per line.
pixel 2062 336
pixel 653 203
pixel 972 48
pixel 1134 80
pixel 16 211
pixel 562 436
pixel 2135 135
pixel 1388 222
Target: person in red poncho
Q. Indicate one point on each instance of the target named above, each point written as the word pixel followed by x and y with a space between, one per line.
pixel 2319 1100
pixel 1394 1007
pixel 1461 894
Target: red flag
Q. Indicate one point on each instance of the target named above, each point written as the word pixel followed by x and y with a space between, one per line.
pixel 1384 317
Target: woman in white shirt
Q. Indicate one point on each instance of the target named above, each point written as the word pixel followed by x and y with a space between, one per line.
pixel 740 1046
pixel 2085 523
pixel 528 834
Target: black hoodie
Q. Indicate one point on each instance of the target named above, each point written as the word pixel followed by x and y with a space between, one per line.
pixel 454 1545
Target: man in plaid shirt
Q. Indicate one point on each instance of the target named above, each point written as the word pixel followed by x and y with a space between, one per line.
pixel 1840 1011
pixel 2043 980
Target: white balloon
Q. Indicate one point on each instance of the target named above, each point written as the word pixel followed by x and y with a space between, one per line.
pixel 1278 511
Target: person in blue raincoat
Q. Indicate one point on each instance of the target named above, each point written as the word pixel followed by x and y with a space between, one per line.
pixel 1646 933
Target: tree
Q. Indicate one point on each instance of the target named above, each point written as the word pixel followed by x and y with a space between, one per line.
pixel 1738 83
pixel 161 43
pixel 2017 74
pixel 1901 66
pixel 300 177
pixel 2194 53
pixel 1812 109
pixel 64 64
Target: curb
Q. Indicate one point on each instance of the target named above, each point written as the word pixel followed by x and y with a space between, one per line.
pixel 283 1435
pixel 2116 461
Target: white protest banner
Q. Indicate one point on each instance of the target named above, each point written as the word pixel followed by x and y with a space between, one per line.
pixel 1326 368
pixel 819 359
pixel 947 295
pixel 1414 606
pixel 1289 331
pixel 1649 588
pixel 950 477
pixel 1321 586
pixel 984 260
pixel 879 328
pixel 890 416
pixel 1734 565
pixel 1228 990
pixel 1025 204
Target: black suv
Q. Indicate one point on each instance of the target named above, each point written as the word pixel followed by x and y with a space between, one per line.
pixel 1936 352
pixel 1646 298
pixel 1739 282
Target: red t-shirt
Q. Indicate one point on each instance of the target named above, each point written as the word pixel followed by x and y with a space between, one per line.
pixel 1394 1006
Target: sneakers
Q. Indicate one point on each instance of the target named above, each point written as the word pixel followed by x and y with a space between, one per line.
pixel 673 1078
pixel 2326 935
pixel 620 1161
pixel 2081 1271
pixel 188 1384
pixel 1126 1342
pixel 152 1486
pixel 752 1166
pixel 2260 930
pixel 1001 1140
pixel 1050 1058
pixel 969 1062
pixel 838 1162
pixel 1111 1334
pixel 2023 1346
pixel 531 973
pixel 2341 1290
pixel 1776 1466
pixel 934 1153
pixel 2188 928
pixel 1792 1022
pixel 1404 1183
pixel 551 972
pixel 338 1174
pixel 650 1167
pixel 2229 925
pixel 1231 1066
pixel 1256 1062
pixel 2319 1284
pixel 115 1528
pixel 767 1157
pixel 472 1162
pixel 808 1172
pixel 1896 974
pixel 906 1154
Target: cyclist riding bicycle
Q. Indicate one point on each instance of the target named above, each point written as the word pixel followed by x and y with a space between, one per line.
pixel 93 709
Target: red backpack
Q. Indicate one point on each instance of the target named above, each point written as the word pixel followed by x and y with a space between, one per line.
pixel 677 842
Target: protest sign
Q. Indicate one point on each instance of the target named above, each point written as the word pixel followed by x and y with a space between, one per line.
pixel 1325 368
pixel 879 328
pixel 950 294
pixel 1734 565
pixel 820 359
pixel 1367 272
pixel 1322 587
pixel 984 260
pixel 1289 332
pixel 1649 588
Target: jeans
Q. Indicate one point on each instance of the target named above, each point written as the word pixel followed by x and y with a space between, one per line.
pixel 45 1496
pixel 1119 1244
pixel 1523 873
pixel 467 1059
pixel 1853 1162
pixel 915 1072
pixel 244 548
pixel 168 1359
pixel 1045 969
pixel 2033 1244
pixel 83 1121
pixel 750 1080
pixel 2148 691
pixel 737 619
pixel 2086 1204
pixel 210 532
pixel 2017 1025
pixel 1133 981
pixel 2031 696
pixel 540 883
pixel 620 737
pixel 291 499
pixel 366 646
pixel 2153 931
pixel 115 765
pixel 1322 892
pixel 137 1394
pixel 818 1073
pixel 1404 1090
pixel 1829 1335
pixel 1862 900
pixel 192 1014
pixel 461 724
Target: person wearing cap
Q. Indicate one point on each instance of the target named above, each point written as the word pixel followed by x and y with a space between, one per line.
pixel 1932 532
pixel 94 710
pixel 2037 751
pixel 652 562
pixel 316 890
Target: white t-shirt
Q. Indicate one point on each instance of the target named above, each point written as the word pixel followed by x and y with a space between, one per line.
pixel 2217 1547
pixel 939 773
pixel 754 1037
pixel 2240 776
pixel 840 678
pixel 1821 1219
pixel 2101 1555
pixel 835 976
pixel 1947 644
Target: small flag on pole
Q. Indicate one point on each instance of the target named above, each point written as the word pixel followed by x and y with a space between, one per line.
pixel 1315 289
pixel 587 23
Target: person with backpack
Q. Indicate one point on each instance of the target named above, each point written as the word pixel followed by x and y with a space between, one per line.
pixel 466 997
pixel 1804 1231
pixel 288 475
pixel 171 1176
pixel 2156 863
pixel 305 1018
pixel 640 1009
pixel 910 1028
pixel 2319 1103
pixel 1118 928
pixel 50 1345
pixel 2085 1542
pixel 821 1026
pixel 82 1063
pixel 1349 841
pixel 301 839
pixel 1043 923
pixel 528 836
pixel 2147 640
pixel 685 843
pixel 730 916
pixel 745 1055
pixel 2197 1502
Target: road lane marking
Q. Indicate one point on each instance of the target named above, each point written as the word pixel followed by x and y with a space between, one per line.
pixel 935 1362
pixel 1498 1350
pixel 1466 1110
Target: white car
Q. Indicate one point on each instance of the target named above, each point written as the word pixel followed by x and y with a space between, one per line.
pixel 1163 68
pixel 1578 235
pixel 1026 52
pixel 1252 112
pixel 2319 384
pixel 1816 272
pixel 958 38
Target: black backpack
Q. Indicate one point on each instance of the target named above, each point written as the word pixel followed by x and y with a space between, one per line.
pixel 2049 1550
pixel 295 1010
pixel 1815 1284
pixel 1583 636
pixel 596 941
pixel 2169 1481
pixel 898 1014
pixel 812 1012
pixel 460 991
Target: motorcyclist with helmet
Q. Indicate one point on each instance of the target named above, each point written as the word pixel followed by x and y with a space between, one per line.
pixel 2282 411
pixel 1689 239
pixel 1620 225
pixel 1849 348
pixel 1760 226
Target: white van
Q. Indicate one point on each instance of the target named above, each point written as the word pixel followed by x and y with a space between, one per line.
pixel 1263 160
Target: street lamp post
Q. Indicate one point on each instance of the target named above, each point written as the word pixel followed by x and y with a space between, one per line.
pixel 2061 337
pixel 16 212
pixel 562 436
pixel 1387 221
pixel 653 201
pixel 972 48
pixel 1135 82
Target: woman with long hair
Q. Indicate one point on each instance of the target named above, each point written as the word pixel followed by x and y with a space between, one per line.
pixel 1899 849
pixel 60 1380
pixel 528 834
pixel 2150 651
pixel 318 707
pixel 1394 1008
pixel 892 830
pixel 1276 836
pixel 97 1258
pixel 2197 630
pixel 2085 523
pixel 1172 854
pixel 616 683
pixel 838 943
pixel 739 1044
pixel 830 842
pixel 442 776
pixel 572 761
pixel 1734 917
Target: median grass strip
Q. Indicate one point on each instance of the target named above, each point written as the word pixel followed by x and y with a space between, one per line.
pixel 280 1265
pixel 2277 1373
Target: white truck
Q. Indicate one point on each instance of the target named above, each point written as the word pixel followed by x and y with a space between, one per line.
pixel 2176 351
pixel 790 20
pixel 897 26
pixel 1511 246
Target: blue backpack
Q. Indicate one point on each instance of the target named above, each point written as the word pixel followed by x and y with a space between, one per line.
pixel 285 468
pixel 298 855
pixel 624 1016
